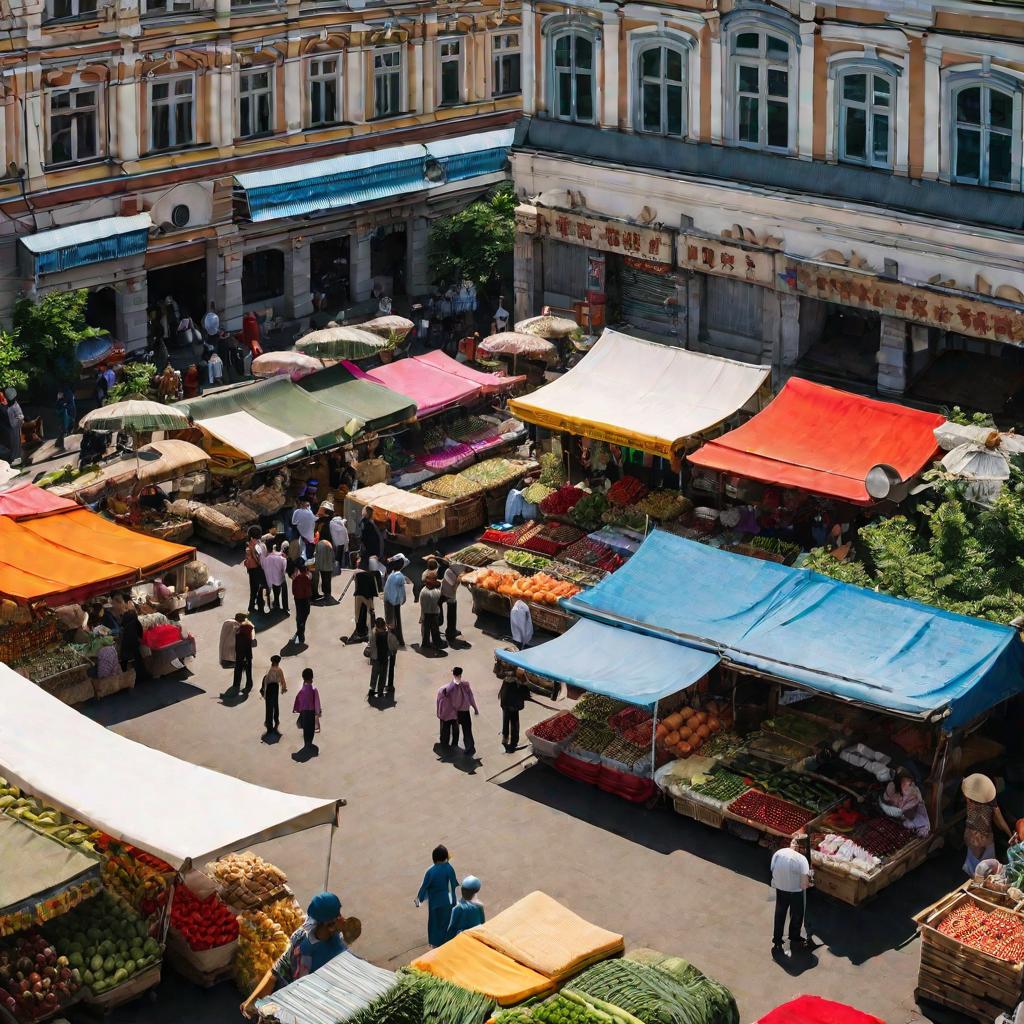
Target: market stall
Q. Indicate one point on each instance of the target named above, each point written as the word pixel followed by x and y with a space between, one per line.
pixel 409 519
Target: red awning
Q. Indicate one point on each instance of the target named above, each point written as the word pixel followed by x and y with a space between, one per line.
pixel 29 500
pixel 815 1010
pixel 822 440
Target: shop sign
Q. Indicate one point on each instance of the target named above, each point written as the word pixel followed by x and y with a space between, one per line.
pixel 711 256
pixel 949 311
pixel 606 236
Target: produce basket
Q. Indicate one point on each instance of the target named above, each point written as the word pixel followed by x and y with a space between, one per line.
pixel 698 810
pixel 550 748
pixel 464 514
pixel 177 531
pixel 552 620
pixel 205 967
pixel 131 989
pixel 372 471
pixel 114 684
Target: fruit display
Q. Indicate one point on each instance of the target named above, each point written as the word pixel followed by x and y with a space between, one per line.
pixel 493 473
pixel 246 880
pixel 557 728
pixel 596 707
pixel 664 505
pixel 140 879
pixel 466 427
pixel 785 549
pixel 587 512
pixel 527 560
pixel 630 754
pixel 721 786
pixel 261 940
pixel 626 491
pixel 203 924
pixel 539 588
pixel 799 789
pixel 537 492
pixel 627 517
pixel 477 555
pixel 999 933
pixel 683 732
pixel 592 737
pixel 559 502
pixel 25 639
pixel 590 552
pixel 44 819
pixel 629 717
pixel 49 663
pixel 35 980
pixel 286 912
pixel 450 486
pixel 552 472
pixel 882 837
pixel 106 940
pixel 778 815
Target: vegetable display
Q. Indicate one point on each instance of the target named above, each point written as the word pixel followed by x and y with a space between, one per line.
pixel 492 472
pixel 723 744
pixel 50 663
pixel 557 728
pixel 203 924
pixel 799 789
pixel 596 707
pixel 568 1008
pixel 664 505
pixel 527 560
pixel 451 486
pixel 773 545
pixel 593 553
pixel 630 754
pixel 627 517
pixel 466 427
pixel 777 814
pixel 477 555
pixel 587 512
pixel 592 737
pixel 996 932
pixel 559 502
pixel 629 717
pixel 34 980
pixel 552 472
pixel 537 492
pixel 722 787
pixel 419 998
pixel 798 727
pixel 575 574
pixel 626 491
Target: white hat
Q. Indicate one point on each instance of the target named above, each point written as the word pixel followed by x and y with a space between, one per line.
pixel 979 788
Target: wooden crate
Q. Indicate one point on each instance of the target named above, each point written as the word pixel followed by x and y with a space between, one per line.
pixel 698 810
pixel 464 514
pixel 850 889
pixel 114 684
pixel 551 619
pixel 131 989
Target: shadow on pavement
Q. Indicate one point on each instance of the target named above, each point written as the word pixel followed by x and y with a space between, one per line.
pixel 176 1000
pixel 141 700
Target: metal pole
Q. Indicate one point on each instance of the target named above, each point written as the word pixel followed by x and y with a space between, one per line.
pixel 330 849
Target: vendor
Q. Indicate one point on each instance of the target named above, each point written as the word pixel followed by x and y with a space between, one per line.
pixel 980 794
pixel 316 943
pixel 152 498
pixel 903 793
pixel 163 595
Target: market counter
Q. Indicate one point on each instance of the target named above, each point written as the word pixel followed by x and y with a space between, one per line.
pixel 550 618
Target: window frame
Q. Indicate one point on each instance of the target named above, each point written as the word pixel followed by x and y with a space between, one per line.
pixel 572 32
pixel 643 44
pixel 170 81
pixel 321 79
pixel 73 113
pixel 267 255
pixel 870 68
pixel 460 60
pixel 986 81
pixel 764 23
pixel 251 94
pixel 388 71
pixel 503 53
pixel 169 7
pixel 77 14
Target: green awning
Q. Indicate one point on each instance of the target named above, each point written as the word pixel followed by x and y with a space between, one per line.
pixel 374 405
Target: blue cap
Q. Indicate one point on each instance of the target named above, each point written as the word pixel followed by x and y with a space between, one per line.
pixel 471 883
pixel 325 907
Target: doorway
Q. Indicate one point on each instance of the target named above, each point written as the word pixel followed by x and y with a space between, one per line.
pixel 388 249
pixel 329 273
pixel 101 310
pixel 185 283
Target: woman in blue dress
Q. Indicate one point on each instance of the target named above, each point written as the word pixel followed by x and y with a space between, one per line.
pixel 438 890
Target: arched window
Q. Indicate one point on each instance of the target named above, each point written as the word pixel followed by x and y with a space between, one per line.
pixel 985 121
pixel 661 88
pixel 573 65
pixel 866 115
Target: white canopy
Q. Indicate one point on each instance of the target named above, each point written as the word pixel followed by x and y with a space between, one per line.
pixel 254 439
pixel 178 811
pixel 638 393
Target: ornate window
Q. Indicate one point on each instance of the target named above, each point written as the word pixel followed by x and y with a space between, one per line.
pixel 255 102
pixel 506 64
pixel 387 82
pixel 985 129
pixel 324 91
pixel 450 59
pixel 172 112
pixel 661 88
pixel 574 70
pixel 866 115
pixel 74 117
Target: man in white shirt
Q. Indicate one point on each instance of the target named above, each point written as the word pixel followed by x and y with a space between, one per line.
pixel 275 568
pixel 339 538
pixel 791 876
pixel 304 522
pixel 211 323
pixel 501 316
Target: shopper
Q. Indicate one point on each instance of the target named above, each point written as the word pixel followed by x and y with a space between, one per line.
pixel 430 614
pixel 791 877
pixel 448 715
pixel 395 595
pixel 302 592
pixel 275 570
pixel 211 323
pixel 245 634
pixel 450 599
pixel 439 888
pixel 521 622
pixel 371 540
pixel 982 810
pixel 469 911
pixel 15 418
pixel 307 707
pixel 512 698
pixel 366 588
pixel 65 415
pixel 131 638
pixel 270 689
pixel 304 522
pixel 255 550
pixel 339 538
pixel 323 563
pixel 383 647
pixel 464 700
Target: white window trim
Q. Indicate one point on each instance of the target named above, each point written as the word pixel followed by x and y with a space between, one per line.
pixel 403 91
pixel 761 20
pixel 440 61
pixel 76 86
pixel 959 77
pixel 339 82
pixel 493 54
pixel 556 30
pixel 77 15
pixel 169 81
pixel 865 64
pixel 257 69
pixel 644 39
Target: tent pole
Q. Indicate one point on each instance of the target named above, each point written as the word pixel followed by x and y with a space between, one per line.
pixel 330 849
pixel 654 734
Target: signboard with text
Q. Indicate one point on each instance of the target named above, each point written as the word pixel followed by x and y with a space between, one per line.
pixel 711 256
pixel 606 236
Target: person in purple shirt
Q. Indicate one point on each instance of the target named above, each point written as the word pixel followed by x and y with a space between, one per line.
pixel 454 700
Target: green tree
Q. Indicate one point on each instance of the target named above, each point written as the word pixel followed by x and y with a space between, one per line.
pixel 137 380
pixel 48 331
pixel 476 243
pixel 12 363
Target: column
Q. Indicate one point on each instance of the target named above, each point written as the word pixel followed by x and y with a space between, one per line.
pixel 694 311
pixel 892 357
pixel 223 10
pixel 477 86
pixel 429 53
pixel 524 275
pixel 297 297
pixel 224 277
pixel 527 60
pixel 932 111
pixel 33 122
pixel 354 109
pixel 360 278
pixel 805 102
pixel 293 90
pixel 415 75
pixel 608 111
pixel 789 330
pixel 718 132
pixel 131 300
pixel 125 96
pixel 417 270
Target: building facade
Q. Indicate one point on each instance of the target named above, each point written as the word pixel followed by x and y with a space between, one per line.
pixel 251 154
pixel 834 189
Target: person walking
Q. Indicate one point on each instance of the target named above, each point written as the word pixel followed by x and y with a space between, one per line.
pixel 430 613
pixel 366 589
pixel 339 538
pixel 304 522
pixel 450 599
pixel 448 715
pixel 371 541
pixel 323 563
pixel 275 570
pixel 383 647
pixel 245 634
pixel 255 550
pixel 395 595
pixel 271 688
pixel 211 324
pixel 65 407
pixel 469 911
pixel 307 707
pixel 791 876
pixel 512 698
pixel 439 889
pixel 521 622
pixel 302 592
pixel 463 700
pixel 15 418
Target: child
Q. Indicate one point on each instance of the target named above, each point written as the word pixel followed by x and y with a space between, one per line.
pixel 469 911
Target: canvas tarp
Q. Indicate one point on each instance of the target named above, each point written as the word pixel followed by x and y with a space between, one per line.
pixel 617 662
pixel 251 439
pixel 431 388
pixel 640 394
pixel 173 809
pixel 394 501
pixel 823 440
pixel 831 637
pixel 371 405
pixel 27 500
pixel 489 383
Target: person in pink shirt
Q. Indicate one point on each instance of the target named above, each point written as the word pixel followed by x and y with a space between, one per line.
pixel 454 700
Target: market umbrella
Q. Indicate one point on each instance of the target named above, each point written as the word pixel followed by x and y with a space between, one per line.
pixel 135 416
pixel 984 469
pixel 170 458
pixel 386 326
pixel 548 326
pixel 280 364
pixel 334 342
pixel 515 344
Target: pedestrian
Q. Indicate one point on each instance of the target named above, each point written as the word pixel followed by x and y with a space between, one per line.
pixel 275 569
pixel 312 946
pixel 439 889
pixel 245 634
pixel 131 638
pixel 501 317
pixel 304 524
pixel 255 551
pixel 450 599
pixel 272 686
pixel 383 646
pixel 101 385
pixel 395 595
pixel 791 876
pixel 15 418
pixel 469 911
pixel 302 592
pixel 982 810
pixel 338 529
pixel 211 323
pixel 448 715
pixel 512 698
pixel 215 368
pixel 366 588
pixel 190 383
pixel 251 336
pixel 521 622
pixel 430 613
pixel 323 562
pixel 371 542
pixel 307 707
pixel 65 415
pixel 463 700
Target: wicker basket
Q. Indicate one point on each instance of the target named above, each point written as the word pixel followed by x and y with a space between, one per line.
pixel 550 619
pixel 464 515
pixel 699 811
pixel 114 684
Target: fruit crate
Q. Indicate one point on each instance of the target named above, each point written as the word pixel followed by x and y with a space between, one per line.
pixel 699 811
pixel 464 514
pixel 114 684
pixel 551 619
pixel 959 976
pixel 125 993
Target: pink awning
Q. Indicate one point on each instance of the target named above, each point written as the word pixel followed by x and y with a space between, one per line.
pixel 491 383
pixel 28 500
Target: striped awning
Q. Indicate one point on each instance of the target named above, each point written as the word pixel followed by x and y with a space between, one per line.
pixel 92 241
pixel 357 178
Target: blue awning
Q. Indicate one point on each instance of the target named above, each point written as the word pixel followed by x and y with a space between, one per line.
pixel 93 241
pixel 357 178
pixel 617 662
pixel 851 643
